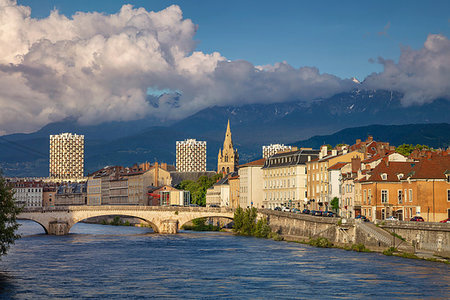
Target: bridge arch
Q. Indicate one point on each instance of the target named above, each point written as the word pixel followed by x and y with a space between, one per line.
pixel 184 220
pixel 79 219
pixel 35 221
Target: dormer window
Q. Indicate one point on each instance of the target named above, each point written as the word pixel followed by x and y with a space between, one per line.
pixel 383 176
pixel 400 176
pixel 447 175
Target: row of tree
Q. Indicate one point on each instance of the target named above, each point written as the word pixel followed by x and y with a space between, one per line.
pixel 245 223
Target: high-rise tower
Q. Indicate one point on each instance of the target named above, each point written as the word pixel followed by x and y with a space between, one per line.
pixel 191 156
pixel 228 158
pixel 66 157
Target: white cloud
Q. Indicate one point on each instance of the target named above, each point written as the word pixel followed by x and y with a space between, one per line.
pixel 98 67
pixel 421 75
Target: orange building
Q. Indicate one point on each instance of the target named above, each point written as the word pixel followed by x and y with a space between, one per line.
pixel 407 189
pixel 234 191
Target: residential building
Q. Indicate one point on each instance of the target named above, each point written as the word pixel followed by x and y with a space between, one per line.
pixel 28 193
pixel 219 193
pixel 285 179
pixel 407 189
pixel 66 157
pixel 251 192
pixel 319 189
pixel 191 156
pixel 71 194
pixel 228 158
pixel 233 181
pixel 273 149
pixel 49 195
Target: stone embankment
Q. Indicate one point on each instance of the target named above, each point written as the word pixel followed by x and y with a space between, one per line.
pixel 408 237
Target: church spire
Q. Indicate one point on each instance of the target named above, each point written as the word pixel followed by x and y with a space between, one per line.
pixel 228 158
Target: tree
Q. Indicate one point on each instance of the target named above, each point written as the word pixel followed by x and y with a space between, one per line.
pixel 198 188
pixel 8 212
pixel 407 149
pixel 335 203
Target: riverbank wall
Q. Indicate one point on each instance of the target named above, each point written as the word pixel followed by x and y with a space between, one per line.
pixel 408 237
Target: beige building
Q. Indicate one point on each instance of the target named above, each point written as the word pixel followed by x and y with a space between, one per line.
pixel 251 184
pixel 234 182
pixel 318 176
pixel 66 157
pixel 284 178
pixel 219 193
pixel 191 156
pixel 228 158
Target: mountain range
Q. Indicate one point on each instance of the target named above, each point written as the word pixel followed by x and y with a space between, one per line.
pixel 338 119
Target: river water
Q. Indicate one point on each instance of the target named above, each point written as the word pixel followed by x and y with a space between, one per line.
pixel 99 261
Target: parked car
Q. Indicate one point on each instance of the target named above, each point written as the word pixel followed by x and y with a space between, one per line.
pixel 445 221
pixel 318 213
pixel 362 218
pixel 328 214
pixel 277 208
pixel 285 209
pixel 214 205
pixel 391 218
pixel 295 210
pixel 417 219
pixel 305 211
pixel 312 212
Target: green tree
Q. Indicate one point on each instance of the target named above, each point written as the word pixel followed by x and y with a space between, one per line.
pixel 238 219
pixel 8 212
pixel 407 149
pixel 335 204
pixel 198 188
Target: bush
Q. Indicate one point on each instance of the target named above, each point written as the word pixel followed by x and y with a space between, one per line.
pixel 320 242
pixel 245 223
pixel 390 251
pixel 359 248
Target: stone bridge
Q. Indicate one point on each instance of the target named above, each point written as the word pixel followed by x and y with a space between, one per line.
pixel 163 219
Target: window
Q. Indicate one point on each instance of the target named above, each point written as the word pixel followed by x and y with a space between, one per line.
pixel 384 196
pixel 406 195
pixel 370 196
pixel 410 195
pixel 400 196
pixel 364 196
pixel 384 176
pixel 448 195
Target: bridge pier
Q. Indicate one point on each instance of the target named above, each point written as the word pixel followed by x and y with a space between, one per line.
pixel 169 227
pixel 58 228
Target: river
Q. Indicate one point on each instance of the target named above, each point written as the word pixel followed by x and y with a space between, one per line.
pixel 100 261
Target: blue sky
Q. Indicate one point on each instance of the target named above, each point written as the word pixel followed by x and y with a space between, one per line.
pixel 338 37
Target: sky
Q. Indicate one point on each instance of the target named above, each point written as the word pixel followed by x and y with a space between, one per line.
pixel 104 60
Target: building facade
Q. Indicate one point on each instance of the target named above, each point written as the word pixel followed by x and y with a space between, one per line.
pixel 285 179
pixel 318 176
pixel 273 149
pixel 251 184
pixel 28 193
pixel 228 158
pixel 66 157
pixel 191 156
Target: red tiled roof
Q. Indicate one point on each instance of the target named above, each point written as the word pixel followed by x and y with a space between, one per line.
pixel 337 166
pixel 259 162
pixel 434 168
pixel 377 157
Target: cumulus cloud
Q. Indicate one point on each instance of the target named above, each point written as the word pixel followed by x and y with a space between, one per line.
pixel 421 75
pixel 98 67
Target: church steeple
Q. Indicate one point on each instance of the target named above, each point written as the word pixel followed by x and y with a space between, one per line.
pixel 228 158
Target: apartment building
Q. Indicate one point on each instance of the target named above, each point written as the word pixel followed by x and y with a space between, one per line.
pixel 28 194
pixel 319 188
pixel 71 194
pixel 407 189
pixel 273 149
pixel 191 156
pixel 285 178
pixel 251 184
pixel 66 157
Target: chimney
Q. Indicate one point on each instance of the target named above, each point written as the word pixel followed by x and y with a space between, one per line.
pixel 369 138
pixel 358 141
pixel 429 154
pixel 386 161
pixel 334 152
pixel 323 151
pixel 356 164
pixel 164 166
